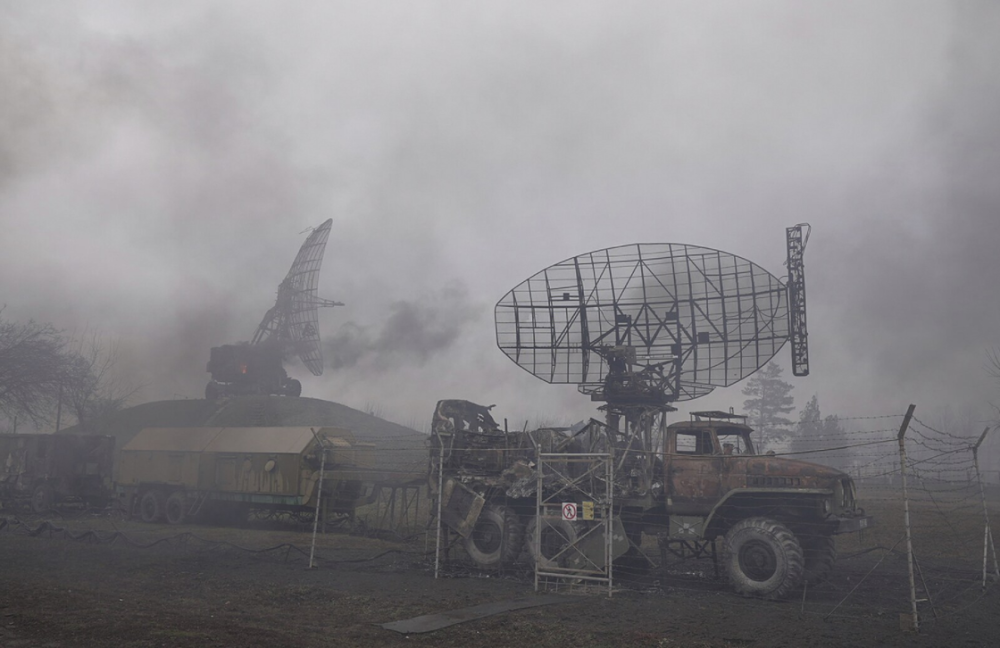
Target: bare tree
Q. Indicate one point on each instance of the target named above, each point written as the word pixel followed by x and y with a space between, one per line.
pixel 34 364
pixel 99 389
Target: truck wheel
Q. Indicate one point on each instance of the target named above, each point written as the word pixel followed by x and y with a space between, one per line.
pixel 556 536
pixel 41 499
pixel 293 388
pixel 496 538
pixel 151 506
pixel 820 554
pixel 764 558
pixel 212 390
pixel 175 508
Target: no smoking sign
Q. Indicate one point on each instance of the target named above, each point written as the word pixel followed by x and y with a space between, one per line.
pixel 569 511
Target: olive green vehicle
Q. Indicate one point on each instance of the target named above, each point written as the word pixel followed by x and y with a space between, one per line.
pixel 777 516
pixel 176 474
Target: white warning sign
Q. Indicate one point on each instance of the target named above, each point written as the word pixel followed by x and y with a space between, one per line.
pixel 569 511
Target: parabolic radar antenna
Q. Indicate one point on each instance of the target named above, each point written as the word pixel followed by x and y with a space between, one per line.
pixel 645 325
pixel 290 328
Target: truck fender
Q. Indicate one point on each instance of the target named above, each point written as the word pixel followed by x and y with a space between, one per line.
pixel 714 522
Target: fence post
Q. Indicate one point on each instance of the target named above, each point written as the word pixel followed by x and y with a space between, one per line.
pixel 987 532
pixel 319 496
pixel 440 496
pixel 906 515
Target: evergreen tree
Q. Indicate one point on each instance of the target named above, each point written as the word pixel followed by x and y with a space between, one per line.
pixel 809 430
pixel 768 403
pixel 816 432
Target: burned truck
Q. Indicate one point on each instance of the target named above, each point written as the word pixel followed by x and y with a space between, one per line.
pixel 222 474
pixel 249 369
pixel 47 470
pixel 690 482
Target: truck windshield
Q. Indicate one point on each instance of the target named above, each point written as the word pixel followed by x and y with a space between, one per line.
pixel 735 441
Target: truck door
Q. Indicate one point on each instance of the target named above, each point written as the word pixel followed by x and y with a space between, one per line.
pixel 694 471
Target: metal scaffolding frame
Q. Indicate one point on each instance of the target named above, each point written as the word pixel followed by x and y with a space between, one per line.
pixel 578 480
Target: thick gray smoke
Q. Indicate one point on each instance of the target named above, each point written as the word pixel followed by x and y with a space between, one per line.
pixel 159 165
pixel 411 334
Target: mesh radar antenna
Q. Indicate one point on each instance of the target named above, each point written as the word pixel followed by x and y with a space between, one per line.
pixel 289 328
pixel 294 319
pixel 642 326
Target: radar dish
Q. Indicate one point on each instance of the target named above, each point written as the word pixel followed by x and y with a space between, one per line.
pixel 294 318
pixel 687 318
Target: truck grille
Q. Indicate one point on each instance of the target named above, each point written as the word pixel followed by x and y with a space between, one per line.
pixel 766 480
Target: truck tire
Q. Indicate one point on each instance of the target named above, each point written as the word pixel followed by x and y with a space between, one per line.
pixel 151 506
pixel 496 539
pixel 293 388
pixel 764 558
pixel 556 535
pixel 42 499
pixel 820 554
pixel 175 508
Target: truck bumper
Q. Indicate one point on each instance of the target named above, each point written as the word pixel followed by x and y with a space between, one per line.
pixel 855 524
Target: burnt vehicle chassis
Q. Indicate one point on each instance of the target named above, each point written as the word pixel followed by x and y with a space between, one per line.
pixel 43 471
pixel 777 516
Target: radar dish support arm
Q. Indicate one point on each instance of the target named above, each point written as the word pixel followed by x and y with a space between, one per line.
pixel 797 333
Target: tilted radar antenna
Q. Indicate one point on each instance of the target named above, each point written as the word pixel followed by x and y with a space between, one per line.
pixel 289 328
pixel 642 326
pixel 294 319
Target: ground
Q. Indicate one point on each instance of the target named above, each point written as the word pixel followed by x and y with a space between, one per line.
pixel 196 590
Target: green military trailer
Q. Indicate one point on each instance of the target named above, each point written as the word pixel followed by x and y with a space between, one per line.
pixel 46 470
pixel 176 474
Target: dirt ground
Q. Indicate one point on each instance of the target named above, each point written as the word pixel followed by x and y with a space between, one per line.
pixel 57 592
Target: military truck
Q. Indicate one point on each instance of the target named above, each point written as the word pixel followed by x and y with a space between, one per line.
pixel 177 474
pixel 777 516
pixel 46 470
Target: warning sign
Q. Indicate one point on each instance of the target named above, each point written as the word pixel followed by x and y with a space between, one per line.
pixel 588 511
pixel 569 511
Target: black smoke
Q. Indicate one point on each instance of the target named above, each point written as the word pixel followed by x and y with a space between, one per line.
pixel 411 334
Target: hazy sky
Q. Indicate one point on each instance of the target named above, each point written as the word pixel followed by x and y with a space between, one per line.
pixel 161 162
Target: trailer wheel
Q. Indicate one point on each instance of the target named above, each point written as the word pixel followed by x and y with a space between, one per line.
pixel 820 554
pixel 496 538
pixel 151 506
pixel 556 536
pixel 175 508
pixel 41 499
pixel 764 558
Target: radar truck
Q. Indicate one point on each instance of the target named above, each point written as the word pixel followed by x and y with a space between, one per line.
pixel 703 480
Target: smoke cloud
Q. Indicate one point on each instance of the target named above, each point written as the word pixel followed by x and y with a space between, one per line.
pixel 160 165
pixel 411 334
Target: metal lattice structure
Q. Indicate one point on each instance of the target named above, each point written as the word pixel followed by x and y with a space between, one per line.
pixel 797 299
pixel 691 319
pixel 294 319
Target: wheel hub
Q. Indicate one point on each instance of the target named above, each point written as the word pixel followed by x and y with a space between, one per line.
pixel 552 541
pixel 487 537
pixel 757 560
